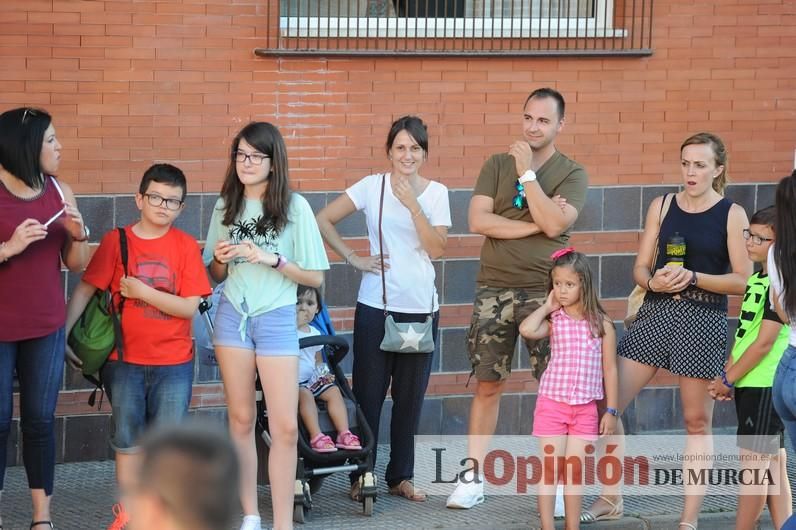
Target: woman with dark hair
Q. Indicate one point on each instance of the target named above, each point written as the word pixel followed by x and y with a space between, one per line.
pixel 782 274
pixel 40 227
pixel 263 240
pixel 407 218
pixel 682 323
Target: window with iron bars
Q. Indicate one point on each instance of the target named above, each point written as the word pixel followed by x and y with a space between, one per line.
pixel 459 27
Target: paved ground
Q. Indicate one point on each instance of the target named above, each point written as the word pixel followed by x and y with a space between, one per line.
pixel 85 493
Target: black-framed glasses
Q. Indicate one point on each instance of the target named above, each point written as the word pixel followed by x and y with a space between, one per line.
pixel 157 200
pixel 254 158
pixel 756 239
pixel 519 200
pixel 28 112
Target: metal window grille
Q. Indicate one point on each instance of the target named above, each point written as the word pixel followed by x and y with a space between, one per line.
pixel 458 27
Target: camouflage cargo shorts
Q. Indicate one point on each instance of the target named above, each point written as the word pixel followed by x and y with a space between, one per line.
pixel 494 329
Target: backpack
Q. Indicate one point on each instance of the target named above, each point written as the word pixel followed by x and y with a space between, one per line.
pixel 99 329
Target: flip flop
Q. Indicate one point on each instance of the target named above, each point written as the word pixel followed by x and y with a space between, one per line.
pixel 407 490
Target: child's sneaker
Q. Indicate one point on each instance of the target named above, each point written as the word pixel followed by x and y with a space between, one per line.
pixel 467 494
pixel 348 440
pixel 322 443
pixel 122 517
pixel 251 522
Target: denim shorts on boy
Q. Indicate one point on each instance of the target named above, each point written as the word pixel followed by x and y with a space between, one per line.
pixel 145 395
pixel 554 418
pixel 270 334
pixel 494 329
pixel 759 427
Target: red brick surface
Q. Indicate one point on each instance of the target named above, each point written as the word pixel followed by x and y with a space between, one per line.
pixel 131 82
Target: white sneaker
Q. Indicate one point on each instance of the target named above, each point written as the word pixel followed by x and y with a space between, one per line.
pixel 251 522
pixel 558 511
pixel 466 495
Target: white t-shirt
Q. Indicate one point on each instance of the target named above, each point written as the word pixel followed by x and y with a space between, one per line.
pixel 775 289
pixel 410 277
pixel 307 355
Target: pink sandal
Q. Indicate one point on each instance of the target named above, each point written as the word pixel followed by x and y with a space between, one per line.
pixel 322 443
pixel 348 440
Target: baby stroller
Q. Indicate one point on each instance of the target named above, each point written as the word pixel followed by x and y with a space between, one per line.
pixel 313 467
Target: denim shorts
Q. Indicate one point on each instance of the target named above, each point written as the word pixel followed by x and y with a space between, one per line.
pixel 270 334
pixel 144 395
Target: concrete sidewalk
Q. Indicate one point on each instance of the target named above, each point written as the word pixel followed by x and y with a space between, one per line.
pixel 85 492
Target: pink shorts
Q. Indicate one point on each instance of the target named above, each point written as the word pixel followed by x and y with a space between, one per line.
pixel 554 418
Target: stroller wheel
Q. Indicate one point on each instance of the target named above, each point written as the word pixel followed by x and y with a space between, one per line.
pixel 299 513
pixel 302 501
pixel 367 506
pixel 368 492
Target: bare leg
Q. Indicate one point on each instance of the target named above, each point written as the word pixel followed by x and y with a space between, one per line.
pixel 279 376
pixel 780 504
pixel 41 504
pixel 698 416
pixel 573 488
pixel 336 407
pixel 751 497
pixel 238 372
pixel 126 468
pixel 546 493
pixel 633 377
pixel 309 412
pixel 484 412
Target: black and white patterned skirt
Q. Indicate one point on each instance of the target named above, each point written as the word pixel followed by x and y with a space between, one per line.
pixel 686 338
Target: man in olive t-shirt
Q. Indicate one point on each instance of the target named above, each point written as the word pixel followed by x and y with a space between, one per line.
pixel 524 202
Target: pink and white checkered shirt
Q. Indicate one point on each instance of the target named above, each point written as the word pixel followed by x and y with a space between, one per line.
pixel 575 372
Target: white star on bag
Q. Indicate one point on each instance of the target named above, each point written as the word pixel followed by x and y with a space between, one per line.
pixel 411 338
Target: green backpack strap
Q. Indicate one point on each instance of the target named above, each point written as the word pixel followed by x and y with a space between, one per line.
pixel 116 318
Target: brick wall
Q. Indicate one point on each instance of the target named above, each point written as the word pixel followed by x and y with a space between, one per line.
pixel 133 82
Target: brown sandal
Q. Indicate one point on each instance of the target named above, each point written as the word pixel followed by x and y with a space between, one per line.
pixel 407 490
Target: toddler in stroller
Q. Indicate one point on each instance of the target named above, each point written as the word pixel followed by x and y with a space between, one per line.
pixel 313 466
pixel 317 382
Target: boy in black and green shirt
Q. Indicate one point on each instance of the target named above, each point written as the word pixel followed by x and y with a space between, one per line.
pixel 760 341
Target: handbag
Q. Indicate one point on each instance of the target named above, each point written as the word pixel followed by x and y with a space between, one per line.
pixel 99 329
pixel 637 295
pixel 402 337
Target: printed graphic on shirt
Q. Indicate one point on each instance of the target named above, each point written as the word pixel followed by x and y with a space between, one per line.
pixel 755 293
pixel 154 271
pixel 265 236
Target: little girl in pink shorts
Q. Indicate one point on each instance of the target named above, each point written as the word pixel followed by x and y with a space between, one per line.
pixel 582 363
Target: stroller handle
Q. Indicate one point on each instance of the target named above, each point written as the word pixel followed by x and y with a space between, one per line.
pixel 338 347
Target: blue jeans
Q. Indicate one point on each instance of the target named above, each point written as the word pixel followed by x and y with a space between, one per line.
pixel 784 392
pixel 144 395
pixel 406 374
pixel 39 364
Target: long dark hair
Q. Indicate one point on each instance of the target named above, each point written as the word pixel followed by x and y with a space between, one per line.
pixel 785 245
pixel 266 139
pixel 21 137
pixel 594 311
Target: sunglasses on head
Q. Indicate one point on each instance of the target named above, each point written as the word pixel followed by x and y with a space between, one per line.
pixel 519 200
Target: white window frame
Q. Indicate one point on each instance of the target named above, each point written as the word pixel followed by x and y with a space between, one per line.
pixel 466 28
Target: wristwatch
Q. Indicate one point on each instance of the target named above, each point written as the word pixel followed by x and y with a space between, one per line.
pixel 612 411
pixel 693 278
pixel 281 261
pixel 86 234
pixel 528 176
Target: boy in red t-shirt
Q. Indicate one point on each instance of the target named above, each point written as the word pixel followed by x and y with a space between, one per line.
pixel 166 278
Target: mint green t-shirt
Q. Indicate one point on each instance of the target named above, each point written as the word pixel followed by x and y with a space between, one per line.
pixel 264 288
pixel 754 309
